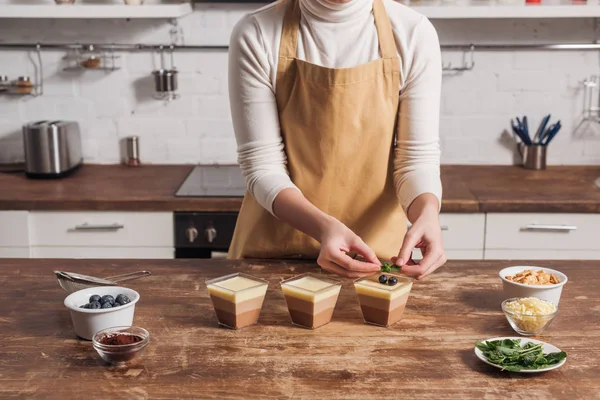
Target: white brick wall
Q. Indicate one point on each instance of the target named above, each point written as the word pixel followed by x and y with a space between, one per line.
pixel 476 105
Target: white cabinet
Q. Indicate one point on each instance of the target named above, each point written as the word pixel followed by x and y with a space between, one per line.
pixel 542 236
pixel 14 234
pixel 103 252
pixel 102 234
pixel 463 236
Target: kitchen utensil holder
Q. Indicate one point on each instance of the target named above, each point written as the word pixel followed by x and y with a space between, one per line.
pixel 165 79
pixel 534 156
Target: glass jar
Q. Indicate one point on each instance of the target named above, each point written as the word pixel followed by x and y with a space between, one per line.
pixel 4 84
pixel 23 85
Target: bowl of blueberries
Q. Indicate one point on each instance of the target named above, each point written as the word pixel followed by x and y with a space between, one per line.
pixel 97 308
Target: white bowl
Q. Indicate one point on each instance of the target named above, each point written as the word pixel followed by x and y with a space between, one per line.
pixel 545 292
pixel 87 322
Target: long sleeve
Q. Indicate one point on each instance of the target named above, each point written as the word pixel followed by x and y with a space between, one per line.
pixel 417 154
pixel 254 112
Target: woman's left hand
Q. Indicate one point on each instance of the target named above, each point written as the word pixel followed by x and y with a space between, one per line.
pixel 424 234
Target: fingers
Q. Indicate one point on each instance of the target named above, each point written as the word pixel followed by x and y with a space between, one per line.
pixel 361 248
pixel 345 261
pixel 433 259
pixel 336 269
pixel 441 261
pixel 411 239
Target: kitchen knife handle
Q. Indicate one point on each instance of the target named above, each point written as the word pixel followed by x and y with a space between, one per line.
pixel 540 227
pixel 87 227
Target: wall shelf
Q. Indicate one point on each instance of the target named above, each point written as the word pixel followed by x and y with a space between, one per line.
pixel 502 11
pixel 164 11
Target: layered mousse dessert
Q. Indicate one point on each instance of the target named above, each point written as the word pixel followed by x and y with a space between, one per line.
pixel 382 297
pixel 311 299
pixel 237 299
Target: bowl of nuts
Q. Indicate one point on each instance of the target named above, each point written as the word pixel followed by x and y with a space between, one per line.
pixel 530 281
pixel 101 307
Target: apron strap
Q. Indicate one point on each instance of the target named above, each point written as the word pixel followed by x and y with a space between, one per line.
pixel 387 44
pixel 288 47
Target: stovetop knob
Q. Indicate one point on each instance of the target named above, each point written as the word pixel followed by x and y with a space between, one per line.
pixel 211 234
pixel 191 233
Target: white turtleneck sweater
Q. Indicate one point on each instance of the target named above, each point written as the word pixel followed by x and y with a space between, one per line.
pixel 335 35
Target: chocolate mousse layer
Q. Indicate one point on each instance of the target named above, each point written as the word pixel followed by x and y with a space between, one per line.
pixel 237 299
pixel 382 312
pixel 382 300
pixel 311 315
pixel 311 299
pixel 237 315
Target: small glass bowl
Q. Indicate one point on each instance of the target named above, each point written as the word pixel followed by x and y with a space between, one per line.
pixel 121 354
pixel 527 325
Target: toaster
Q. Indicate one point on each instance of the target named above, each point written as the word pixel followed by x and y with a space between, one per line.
pixel 52 148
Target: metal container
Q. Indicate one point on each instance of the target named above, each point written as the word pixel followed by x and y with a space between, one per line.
pixel 4 83
pixel 52 148
pixel 534 157
pixel 133 151
pixel 165 80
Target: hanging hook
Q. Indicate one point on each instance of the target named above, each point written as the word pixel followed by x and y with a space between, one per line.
pixel 39 89
pixel 162 56
pixel 172 48
pixel 468 64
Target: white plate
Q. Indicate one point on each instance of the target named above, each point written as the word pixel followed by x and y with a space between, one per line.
pixel 546 348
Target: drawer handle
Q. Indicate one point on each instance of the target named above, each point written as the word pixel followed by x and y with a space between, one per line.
pixel 88 227
pixel 556 228
pixel 444 227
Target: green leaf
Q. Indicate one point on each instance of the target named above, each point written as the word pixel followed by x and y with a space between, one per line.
pixel 388 267
pixel 510 355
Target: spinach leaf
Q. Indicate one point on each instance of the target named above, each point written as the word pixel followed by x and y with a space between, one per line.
pixel 512 356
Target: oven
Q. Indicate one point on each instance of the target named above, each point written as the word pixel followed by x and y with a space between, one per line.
pixel 203 234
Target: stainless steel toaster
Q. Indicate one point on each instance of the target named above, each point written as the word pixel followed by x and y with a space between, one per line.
pixel 52 148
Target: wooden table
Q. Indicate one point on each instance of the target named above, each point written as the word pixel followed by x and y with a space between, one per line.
pixel 429 354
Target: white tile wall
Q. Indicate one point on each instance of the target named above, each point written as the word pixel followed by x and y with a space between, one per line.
pixel 476 105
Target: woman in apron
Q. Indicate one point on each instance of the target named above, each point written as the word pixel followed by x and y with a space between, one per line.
pixel 335 107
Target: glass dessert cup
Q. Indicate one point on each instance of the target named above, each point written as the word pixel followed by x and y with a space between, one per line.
pixel 311 299
pixel 237 299
pixel 382 304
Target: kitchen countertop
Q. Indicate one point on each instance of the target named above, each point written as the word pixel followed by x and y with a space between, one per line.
pixel 151 188
pixel 428 354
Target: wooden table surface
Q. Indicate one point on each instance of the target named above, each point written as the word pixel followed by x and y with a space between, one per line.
pixel 467 189
pixel 428 354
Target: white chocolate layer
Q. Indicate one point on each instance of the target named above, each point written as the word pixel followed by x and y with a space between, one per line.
pixel 242 288
pixel 372 288
pixel 306 288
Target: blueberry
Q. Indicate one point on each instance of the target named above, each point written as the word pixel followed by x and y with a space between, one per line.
pixel 392 281
pixel 84 306
pixel 94 297
pixel 94 305
pixel 123 299
pixel 383 279
pixel 108 299
pixel 106 305
pixel 117 304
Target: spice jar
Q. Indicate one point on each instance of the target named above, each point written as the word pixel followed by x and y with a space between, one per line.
pixel 24 85
pixel 4 85
pixel 91 62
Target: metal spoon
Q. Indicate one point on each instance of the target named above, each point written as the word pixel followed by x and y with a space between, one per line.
pixel 72 282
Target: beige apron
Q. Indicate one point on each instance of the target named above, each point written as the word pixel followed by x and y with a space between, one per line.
pixel 338 127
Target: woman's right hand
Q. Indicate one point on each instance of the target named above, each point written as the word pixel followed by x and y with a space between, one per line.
pixel 336 241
